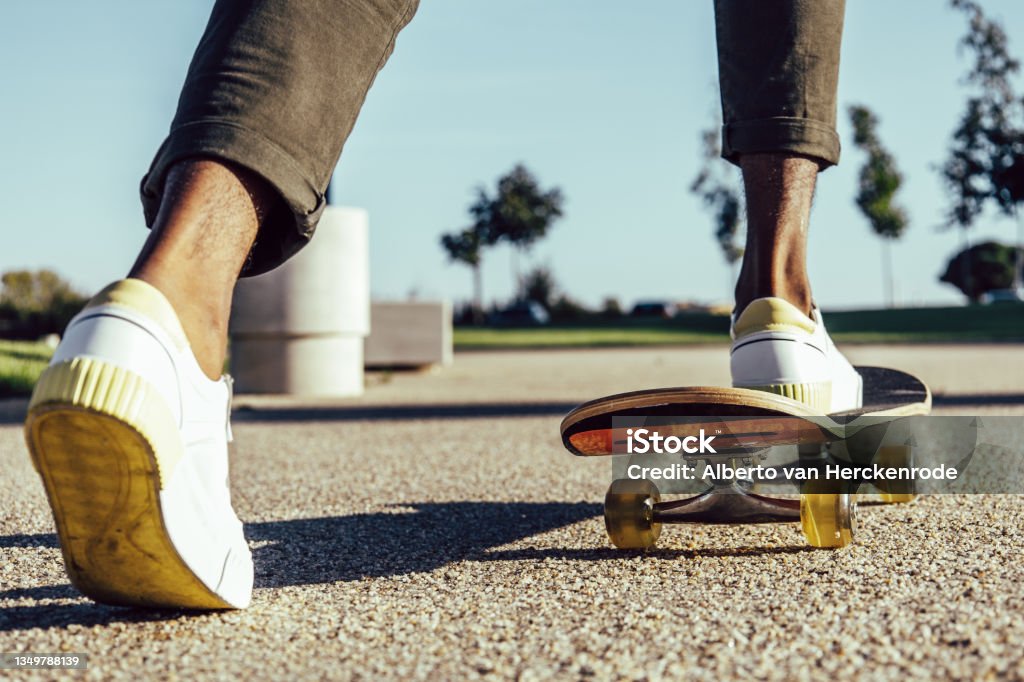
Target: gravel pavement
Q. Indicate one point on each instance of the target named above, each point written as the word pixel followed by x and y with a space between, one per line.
pixel 435 529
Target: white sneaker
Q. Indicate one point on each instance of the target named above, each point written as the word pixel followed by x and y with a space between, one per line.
pixel 130 439
pixel 776 348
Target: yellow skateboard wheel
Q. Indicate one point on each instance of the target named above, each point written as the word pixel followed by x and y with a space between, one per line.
pixel 629 513
pixel 828 519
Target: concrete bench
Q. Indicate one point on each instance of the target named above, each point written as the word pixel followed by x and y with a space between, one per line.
pixel 409 334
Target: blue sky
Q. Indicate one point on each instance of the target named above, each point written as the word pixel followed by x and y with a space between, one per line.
pixel 604 99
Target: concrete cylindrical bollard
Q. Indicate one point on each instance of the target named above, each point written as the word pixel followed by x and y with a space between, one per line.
pixel 299 329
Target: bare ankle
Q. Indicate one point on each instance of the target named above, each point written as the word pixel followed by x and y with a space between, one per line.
pixel 779 190
pixel 209 216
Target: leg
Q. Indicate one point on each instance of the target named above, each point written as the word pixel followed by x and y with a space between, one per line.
pixel 128 426
pixel 275 87
pixel 238 185
pixel 779 188
pixel 778 68
pixel 202 236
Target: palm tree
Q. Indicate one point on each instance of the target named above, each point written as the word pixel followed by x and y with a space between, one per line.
pixel 466 247
pixel 519 213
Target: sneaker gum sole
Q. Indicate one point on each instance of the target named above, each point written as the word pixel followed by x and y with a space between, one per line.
pixel 104 443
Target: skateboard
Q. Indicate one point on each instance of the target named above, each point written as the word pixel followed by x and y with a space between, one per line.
pixel 735 428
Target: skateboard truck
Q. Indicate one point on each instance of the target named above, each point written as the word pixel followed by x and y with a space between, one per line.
pixel 634 511
pixel 728 503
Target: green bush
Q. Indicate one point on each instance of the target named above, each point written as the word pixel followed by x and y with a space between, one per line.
pixel 36 303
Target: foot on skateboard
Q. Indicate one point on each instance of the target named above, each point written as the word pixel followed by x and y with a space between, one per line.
pixel 746 423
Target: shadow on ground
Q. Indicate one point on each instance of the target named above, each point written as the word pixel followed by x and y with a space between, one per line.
pixel 400 412
pixel 499 410
pixel 413 539
pixel 12 411
pixel 977 399
pixel 424 537
pixel 410 539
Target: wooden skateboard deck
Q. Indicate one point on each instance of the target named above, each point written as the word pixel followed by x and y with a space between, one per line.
pixel 744 418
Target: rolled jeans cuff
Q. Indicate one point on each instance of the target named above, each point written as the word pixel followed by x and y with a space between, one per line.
pixel 227 141
pixel 781 135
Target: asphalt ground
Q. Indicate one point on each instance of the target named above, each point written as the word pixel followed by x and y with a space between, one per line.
pixel 436 529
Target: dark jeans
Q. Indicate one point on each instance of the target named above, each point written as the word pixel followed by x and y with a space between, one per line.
pixel 276 85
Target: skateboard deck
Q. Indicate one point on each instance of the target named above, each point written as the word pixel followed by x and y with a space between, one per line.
pixel 745 422
pixel 589 429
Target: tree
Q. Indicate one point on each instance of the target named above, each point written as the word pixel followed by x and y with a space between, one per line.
pixel 519 213
pixel 986 158
pixel 34 303
pixel 466 247
pixel 877 185
pixel 716 186
pixel 991 266
pixel 539 286
pixel 611 308
pixel 566 309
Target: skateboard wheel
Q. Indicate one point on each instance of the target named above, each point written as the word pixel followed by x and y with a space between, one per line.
pixel 629 513
pixel 828 519
pixel 896 492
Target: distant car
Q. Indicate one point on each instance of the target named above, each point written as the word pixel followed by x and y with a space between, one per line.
pixel 529 314
pixel 1013 295
pixel 662 309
